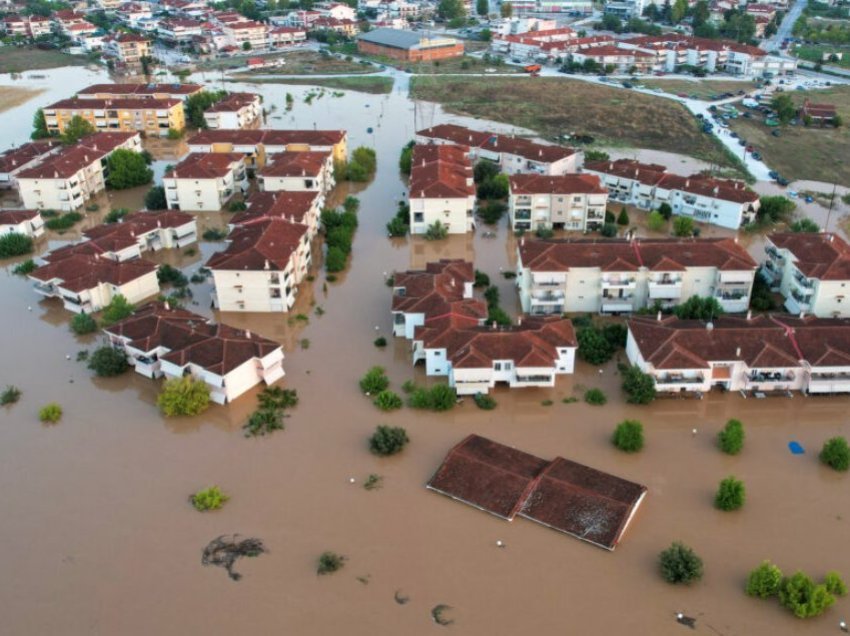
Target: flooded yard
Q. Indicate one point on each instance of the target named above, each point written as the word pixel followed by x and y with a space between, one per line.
pixel 100 538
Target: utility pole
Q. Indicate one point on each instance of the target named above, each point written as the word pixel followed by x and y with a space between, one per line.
pixel 829 213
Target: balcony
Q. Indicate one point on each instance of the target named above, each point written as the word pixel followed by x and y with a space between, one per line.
pixel 829 383
pixel 613 305
pixel 774 254
pixel 547 297
pixel 769 377
pixel 678 380
pixel 45 289
pixel 802 283
pixel 620 282
pixel 547 283
pixel 665 289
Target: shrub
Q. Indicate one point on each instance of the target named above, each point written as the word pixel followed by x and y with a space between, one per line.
pixel 24 267
pixel 398 227
pixel 374 381
pixel 764 581
pixel 380 342
pixel 628 436
pixel 544 233
pixel 492 212
pixel 263 420
pixel 168 275
pixel 335 260
pixel 623 217
pixel 388 401
pixel 481 279
pixel 655 222
pixel 211 498
pixel 834 584
pixel 373 482
pixel 731 438
pixel 330 562
pixel 800 594
pixel 666 211
pixel 698 308
pixel 836 454
pixel 388 440
pixel 107 362
pixel 82 324
pixel 440 397
pixel 405 160
pixel 408 386
pixel 237 206
pixel 214 234
pixel 683 226
pixel 63 222
pixel 596 397
pixel 115 215
pixel 155 199
pixel 50 413
pixel 731 494
pixel 183 396
pixel 609 230
pixel 680 564
pixel 484 401
pixel 10 395
pixel 804 225
pixel 638 386
pixel 610 217
pixel 436 232
pixel 276 398
pixel 593 347
pixel 117 309
pixel 15 244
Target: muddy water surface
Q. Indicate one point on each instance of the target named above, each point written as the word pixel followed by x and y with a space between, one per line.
pixel 100 540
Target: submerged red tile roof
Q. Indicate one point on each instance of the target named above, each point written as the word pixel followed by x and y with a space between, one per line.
pixel 16 217
pixel 562 494
pixel 233 103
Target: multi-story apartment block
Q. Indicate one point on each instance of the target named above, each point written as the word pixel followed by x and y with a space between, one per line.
pixel 441 189
pixel 179 30
pixel 32 26
pixel 26 222
pixel 254 33
pixel 152 117
pixel 812 272
pixel 298 171
pixel 14 160
pixel 204 182
pixel 65 180
pixel 567 202
pixel 757 354
pixel 724 202
pixel 512 154
pixel 128 48
pixel 619 277
pixel 296 207
pixel 261 267
pixel 286 36
pixel 139 91
pixel 237 110
pixel 150 230
pixel 257 144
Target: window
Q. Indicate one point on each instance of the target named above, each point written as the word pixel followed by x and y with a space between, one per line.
pixel 497 366
pixel 418 217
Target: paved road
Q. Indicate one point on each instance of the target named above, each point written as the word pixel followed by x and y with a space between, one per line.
pixel 784 29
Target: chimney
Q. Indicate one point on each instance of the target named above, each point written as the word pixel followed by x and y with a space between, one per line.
pixel 522 241
pixel 738 352
pixel 248 334
pixel 658 316
pixel 493 325
pixel 266 266
pixel 749 314
pixel 802 315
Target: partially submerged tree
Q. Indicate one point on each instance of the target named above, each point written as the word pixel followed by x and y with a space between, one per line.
pixel 184 396
pixel 731 438
pixel 388 440
pixel 764 581
pixel 680 564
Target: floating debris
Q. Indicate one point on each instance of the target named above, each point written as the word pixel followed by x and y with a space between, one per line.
pixel 364 579
pixel 373 482
pixel 437 613
pixel 400 598
pixel 687 621
pixel 223 552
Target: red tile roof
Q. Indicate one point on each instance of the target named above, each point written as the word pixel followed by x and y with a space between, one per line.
pixel 432 290
pixel 818 111
pixel 70 160
pixel 441 171
pixel 80 272
pixel 265 245
pixel 564 184
pixel 531 150
pixel 825 256
pixel 14 158
pixel 16 217
pixel 139 90
pixel 233 103
pixel 559 255
pixel 140 223
pixel 205 165
pixel 269 137
pixel 120 103
pixel 569 497
pixel 284 204
pixel 295 164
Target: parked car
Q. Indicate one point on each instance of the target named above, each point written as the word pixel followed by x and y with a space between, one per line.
pixel 782 181
pixel 775 133
pixel 756 156
pixel 743 142
pixel 773 174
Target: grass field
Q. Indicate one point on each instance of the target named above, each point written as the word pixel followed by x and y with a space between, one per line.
pixel 819 154
pixel 699 89
pixel 296 63
pixel 18 59
pixel 11 96
pixel 555 107
pixel 463 64
pixel 814 53
pixel 375 85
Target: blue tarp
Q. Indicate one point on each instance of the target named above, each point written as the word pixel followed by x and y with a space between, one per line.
pixel 796 448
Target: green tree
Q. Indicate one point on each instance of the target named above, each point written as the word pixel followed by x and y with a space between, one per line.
pixel 834 584
pixel 184 396
pixel 39 126
pixel 374 381
pixel 155 198
pixel 655 222
pixel 698 308
pixel 804 225
pixel 107 361
pixel 784 107
pixel 680 564
pixel 82 324
pixel 14 244
pixel 404 162
pixel 127 169
pixel 609 230
pixel 593 347
pixel 730 495
pixel 623 217
pixel 764 581
pixel 388 440
pixel 628 436
pixel 76 129
pixel 335 260
pixel 678 11
pixel 388 401
pixel 836 454
pixel 666 211
pixel 611 22
pixel 683 226
pixel 196 104
pixel 596 397
pixel 800 594
pixel 246 46
pixel 731 438
pixel 700 13
pixel 506 10
pixel 638 386
pixel 482 7
pixel 117 309
pixel 775 208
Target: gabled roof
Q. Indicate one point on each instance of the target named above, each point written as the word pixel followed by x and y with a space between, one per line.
pixel 283 204
pixel 140 223
pixel 16 217
pixel 823 255
pixel 429 291
pixel 269 137
pixel 530 150
pixel 264 245
pixel 139 90
pixel 14 158
pixel 234 102
pixel 204 165
pixel 120 103
pixel 80 272
pixel 296 164
pixel 441 171
pixel 562 184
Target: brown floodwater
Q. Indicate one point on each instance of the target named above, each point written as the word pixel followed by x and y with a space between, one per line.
pixel 99 537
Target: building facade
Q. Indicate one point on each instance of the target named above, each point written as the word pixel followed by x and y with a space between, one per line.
pixel 441 189
pixel 567 202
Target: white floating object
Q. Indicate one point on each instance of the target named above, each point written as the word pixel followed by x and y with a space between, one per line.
pixel 500 543
pixel 29 308
pixel 67 357
pixel 694 431
pixel 351 480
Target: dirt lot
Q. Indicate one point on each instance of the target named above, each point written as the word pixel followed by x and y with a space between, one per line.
pixel 18 59
pixel 374 85
pixel 463 64
pixel 818 154
pixel 698 89
pixel 311 63
pixel 11 96
pixel 555 107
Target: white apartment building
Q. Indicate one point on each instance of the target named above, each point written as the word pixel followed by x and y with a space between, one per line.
pixel 14 160
pixel 152 230
pixel 237 110
pixel 757 354
pixel 724 202
pixel 812 272
pixel 620 277
pixel 205 181
pixel 574 202
pixel 66 179
pixel 261 267
pixel 303 207
pixel 513 154
pixel 26 222
pixel 254 33
pixel 441 189
pixel 298 172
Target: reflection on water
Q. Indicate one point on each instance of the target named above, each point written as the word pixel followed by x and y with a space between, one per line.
pixel 102 540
